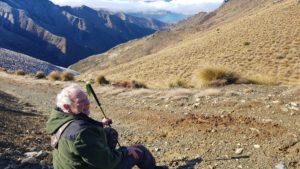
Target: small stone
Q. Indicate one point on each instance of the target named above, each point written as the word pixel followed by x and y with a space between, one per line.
pixel 30 154
pixel 157 149
pixel 41 154
pixel 240 166
pixel 29 160
pixel 256 146
pixel 268 106
pixel 239 151
pixel 284 109
pixel 280 166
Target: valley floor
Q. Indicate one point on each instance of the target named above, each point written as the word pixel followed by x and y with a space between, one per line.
pixel 237 126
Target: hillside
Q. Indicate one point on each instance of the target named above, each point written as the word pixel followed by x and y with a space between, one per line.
pixel 252 38
pixel 13 61
pixel 64 35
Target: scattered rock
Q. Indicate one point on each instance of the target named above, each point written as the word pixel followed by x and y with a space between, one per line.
pixel 256 146
pixel 239 151
pixel 292 106
pixel 280 166
pixel 29 160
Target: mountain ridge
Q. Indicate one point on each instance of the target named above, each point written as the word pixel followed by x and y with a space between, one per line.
pixel 64 35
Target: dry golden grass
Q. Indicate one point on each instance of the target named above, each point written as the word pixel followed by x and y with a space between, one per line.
pixel 20 72
pixel 272 30
pixel 54 75
pixel 39 75
pixel 66 76
pixel 101 80
pixel 216 77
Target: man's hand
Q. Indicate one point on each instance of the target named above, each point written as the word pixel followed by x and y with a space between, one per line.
pixel 106 121
pixel 133 151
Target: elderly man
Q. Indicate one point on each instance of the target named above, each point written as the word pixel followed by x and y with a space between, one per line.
pixel 83 143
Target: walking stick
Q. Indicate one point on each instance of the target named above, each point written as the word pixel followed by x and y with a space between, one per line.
pixel 90 91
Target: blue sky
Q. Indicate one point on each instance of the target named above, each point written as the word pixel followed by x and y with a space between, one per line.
pixel 188 7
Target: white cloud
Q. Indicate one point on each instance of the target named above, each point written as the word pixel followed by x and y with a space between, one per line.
pixel 179 6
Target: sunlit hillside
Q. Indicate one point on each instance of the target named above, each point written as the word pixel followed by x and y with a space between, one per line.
pixel 252 38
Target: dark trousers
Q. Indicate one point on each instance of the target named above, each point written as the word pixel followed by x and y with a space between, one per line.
pixel 145 160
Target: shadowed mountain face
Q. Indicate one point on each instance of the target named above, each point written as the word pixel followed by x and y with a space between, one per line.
pixel 64 35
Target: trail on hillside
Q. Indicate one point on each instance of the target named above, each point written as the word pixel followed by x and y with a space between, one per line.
pixel 240 126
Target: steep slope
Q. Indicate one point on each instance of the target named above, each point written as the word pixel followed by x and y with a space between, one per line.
pixel 253 37
pixel 64 35
pixel 12 61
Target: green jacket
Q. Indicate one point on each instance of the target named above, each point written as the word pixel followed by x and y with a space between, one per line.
pixel 83 144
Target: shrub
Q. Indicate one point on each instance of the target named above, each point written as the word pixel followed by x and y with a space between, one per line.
pixel 246 43
pixel 39 75
pixel 54 75
pixel 20 72
pixel 179 83
pixel 130 84
pixel 101 80
pixel 67 76
pixel 136 84
pixel 2 69
pixel 216 77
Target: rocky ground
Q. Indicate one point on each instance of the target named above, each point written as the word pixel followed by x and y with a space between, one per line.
pixel 237 126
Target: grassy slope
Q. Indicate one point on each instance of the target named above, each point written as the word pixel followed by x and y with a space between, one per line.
pixel 272 29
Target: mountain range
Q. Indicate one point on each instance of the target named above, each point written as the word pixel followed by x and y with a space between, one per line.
pixel 64 35
pixel 161 15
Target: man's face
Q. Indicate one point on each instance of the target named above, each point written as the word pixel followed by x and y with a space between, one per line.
pixel 80 103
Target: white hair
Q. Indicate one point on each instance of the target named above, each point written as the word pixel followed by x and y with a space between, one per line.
pixel 64 96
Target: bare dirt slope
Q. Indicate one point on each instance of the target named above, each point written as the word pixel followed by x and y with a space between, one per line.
pixel 238 126
pixel 252 38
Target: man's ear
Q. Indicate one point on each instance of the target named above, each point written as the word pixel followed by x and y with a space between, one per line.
pixel 67 107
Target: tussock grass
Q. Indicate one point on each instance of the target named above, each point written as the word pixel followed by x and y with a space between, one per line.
pixel 39 75
pixel 179 83
pixel 66 76
pixel 246 43
pixel 216 77
pixel 101 80
pixel 20 72
pixel 54 75
pixel 130 84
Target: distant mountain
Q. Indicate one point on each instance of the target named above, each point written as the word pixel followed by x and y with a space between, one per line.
pixel 64 35
pixel 161 15
pixel 12 61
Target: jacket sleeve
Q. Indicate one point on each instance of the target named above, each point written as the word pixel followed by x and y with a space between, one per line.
pixel 91 145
